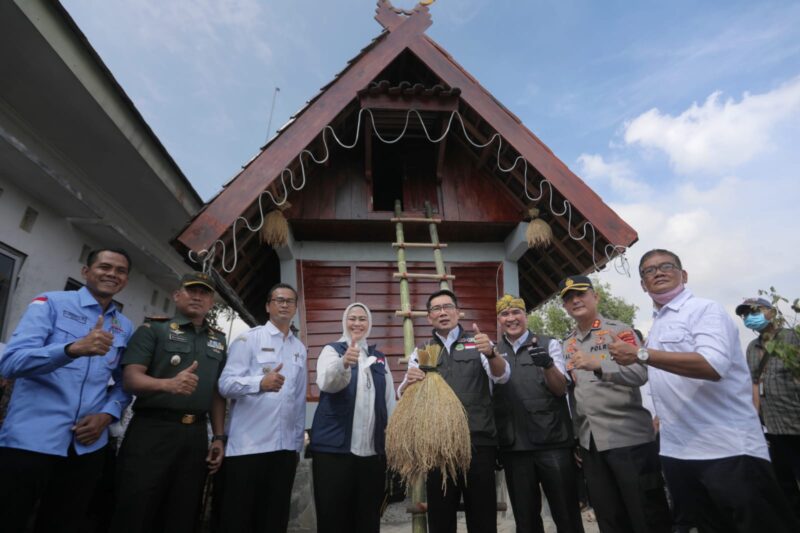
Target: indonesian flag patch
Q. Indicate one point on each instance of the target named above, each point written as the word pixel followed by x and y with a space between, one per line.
pixel 39 300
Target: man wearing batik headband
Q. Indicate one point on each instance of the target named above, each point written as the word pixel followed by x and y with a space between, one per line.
pixel 533 424
pixel 615 432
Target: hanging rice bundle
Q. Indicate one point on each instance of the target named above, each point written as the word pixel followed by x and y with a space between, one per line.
pixel 428 429
pixel 275 230
pixel 539 233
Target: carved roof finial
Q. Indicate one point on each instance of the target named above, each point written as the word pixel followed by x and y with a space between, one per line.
pixel 390 17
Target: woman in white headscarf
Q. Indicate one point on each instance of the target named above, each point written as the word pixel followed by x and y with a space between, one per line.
pixel 347 435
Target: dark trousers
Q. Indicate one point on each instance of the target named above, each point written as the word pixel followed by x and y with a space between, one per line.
pixel 480 496
pixel 784 450
pixel 733 494
pixel 626 489
pixel 555 471
pixel 161 470
pixel 348 492
pixel 257 492
pixel 65 486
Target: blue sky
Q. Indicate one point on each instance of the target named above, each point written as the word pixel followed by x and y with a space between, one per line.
pixel 684 116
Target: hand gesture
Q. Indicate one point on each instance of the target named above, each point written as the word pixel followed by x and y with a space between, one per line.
pixel 97 342
pixel 413 375
pixel 540 356
pixel 351 355
pixel 623 348
pixel 215 455
pixel 482 342
pixel 185 382
pixel 273 380
pixel 91 427
pixel 582 361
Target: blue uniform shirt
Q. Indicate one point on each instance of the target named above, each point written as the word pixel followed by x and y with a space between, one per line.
pixel 52 390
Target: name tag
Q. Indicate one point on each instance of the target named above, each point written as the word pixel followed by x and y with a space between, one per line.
pixel 72 316
pixel 265 349
pixel 177 337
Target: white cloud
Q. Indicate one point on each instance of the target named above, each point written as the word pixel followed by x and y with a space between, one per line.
pixel 617 174
pixel 718 136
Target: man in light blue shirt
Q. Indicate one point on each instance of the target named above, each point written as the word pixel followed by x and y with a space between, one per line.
pixel 63 355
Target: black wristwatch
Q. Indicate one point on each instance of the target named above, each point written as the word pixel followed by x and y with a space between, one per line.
pixel 223 438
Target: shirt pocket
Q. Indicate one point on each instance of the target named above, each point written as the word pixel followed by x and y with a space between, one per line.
pixel 67 330
pixel 112 358
pixel 267 361
pixel 672 337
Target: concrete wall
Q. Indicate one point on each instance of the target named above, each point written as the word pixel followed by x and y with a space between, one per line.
pixel 53 249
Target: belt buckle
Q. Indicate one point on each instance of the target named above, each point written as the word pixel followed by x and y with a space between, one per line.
pixel 188 419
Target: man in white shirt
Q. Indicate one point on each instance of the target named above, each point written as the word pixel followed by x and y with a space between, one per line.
pixel 714 455
pixel 265 379
pixel 469 364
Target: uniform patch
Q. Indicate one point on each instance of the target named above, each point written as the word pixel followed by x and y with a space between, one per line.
pixel 178 338
pixel 263 348
pixel 174 326
pixel 39 300
pixel 469 345
pixel 459 347
pixel 72 316
pixel 596 324
pixel 215 344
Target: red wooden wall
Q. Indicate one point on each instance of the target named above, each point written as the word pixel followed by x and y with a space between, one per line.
pixel 327 288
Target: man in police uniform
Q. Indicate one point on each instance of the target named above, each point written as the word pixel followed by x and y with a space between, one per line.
pixel 172 366
pixel 467 363
pixel 616 436
pixel 533 424
pixel 53 441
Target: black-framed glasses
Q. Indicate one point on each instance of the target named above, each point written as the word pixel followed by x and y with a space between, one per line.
pixel 284 301
pixel 443 307
pixel 663 267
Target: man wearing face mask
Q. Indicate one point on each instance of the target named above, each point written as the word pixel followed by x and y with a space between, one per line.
pixel 713 453
pixel 775 393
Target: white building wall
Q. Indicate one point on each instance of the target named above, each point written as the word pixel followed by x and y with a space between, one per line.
pixel 53 250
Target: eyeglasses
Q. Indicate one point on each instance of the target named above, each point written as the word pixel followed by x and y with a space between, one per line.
pixel 357 319
pixel 443 307
pixel 284 301
pixel 663 267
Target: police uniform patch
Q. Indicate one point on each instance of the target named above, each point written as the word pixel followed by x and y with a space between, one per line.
pixel 459 347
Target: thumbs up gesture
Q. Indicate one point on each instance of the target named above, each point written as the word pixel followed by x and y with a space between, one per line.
pixel 482 342
pixel 623 348
pixel 97 342
pixel 273 380
pixel 350 358
pixel 185 382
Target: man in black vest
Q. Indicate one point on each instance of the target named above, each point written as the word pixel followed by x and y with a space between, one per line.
pixel 468 363
pixel 533 424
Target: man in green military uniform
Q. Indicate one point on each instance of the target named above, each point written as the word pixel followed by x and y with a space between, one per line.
pixel 172 366
pixel 615 432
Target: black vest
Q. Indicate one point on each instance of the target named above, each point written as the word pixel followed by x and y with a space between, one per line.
pixel 529 417
pixel 332 428
pixel 463 371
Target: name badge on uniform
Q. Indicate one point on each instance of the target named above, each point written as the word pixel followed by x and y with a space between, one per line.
pixel 177 337
pixel 266 349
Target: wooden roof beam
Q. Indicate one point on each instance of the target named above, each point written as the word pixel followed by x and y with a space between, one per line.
pixel 244 190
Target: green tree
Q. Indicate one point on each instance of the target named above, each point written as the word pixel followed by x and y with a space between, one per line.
pixel 784 346
pixel 551 319
pixel 219 315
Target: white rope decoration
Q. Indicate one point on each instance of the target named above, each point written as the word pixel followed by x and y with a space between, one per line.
pixel 207 256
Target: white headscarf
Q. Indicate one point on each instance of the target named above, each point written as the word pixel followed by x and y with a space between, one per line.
pixel 362 344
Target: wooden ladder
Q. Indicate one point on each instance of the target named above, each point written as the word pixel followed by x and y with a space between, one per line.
pixel 403 275
pixel 418 522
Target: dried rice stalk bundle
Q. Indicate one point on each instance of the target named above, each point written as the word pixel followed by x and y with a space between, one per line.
pixel 275 230
pixel 428 428
pixel 538 234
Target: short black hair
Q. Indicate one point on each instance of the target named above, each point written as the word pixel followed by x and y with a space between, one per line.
pixel 441 292
pixel 659 251
pixel 280 286
pixel 92 257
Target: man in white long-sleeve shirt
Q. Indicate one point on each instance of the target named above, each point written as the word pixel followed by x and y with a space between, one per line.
pixel 265 378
